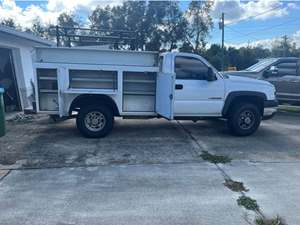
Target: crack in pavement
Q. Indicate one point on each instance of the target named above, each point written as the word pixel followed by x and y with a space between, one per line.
pixel 204 147
pixel 3 174
pixel 200 144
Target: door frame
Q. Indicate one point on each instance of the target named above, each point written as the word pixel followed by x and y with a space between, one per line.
pixel 13 56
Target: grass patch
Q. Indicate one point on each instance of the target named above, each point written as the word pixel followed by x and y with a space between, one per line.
pixel 248 203
pixel 292 109
pixel 205 155
pixel 270 221
pixel 235 185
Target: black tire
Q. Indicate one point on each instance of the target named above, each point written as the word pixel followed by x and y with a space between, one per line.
pixel 95 121
pixel 244 119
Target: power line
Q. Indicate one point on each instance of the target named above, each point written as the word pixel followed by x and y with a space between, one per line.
pixel 273 26
pixel 257 15
pixel 250 17
pixel 242 34
pixel 264 29
pixel 256 31
pixel 252 29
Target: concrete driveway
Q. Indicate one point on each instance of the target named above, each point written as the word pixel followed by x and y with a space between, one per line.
pixel 277 140
pixel 146 172
pixel 44 144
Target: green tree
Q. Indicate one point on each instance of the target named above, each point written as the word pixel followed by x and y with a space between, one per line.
pixel 200 24
pixel 139 19
pixel 38 29
pixel 155 14
pixel 44 31
pixel 284 47
pixel 101 18
pixel 9 22
pixel 233 56
pixel 186 47
pixel 67 22
pixel 214 55
pixel 118 14
pixel 135 22
pixel 174 26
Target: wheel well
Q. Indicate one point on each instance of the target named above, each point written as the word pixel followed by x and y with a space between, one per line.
pixel 93 99
pixel 256 100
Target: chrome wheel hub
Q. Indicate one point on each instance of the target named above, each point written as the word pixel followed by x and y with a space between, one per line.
pixel 246 120
pixel 94 121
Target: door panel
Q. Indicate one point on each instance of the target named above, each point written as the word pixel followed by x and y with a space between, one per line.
pixel 199 97
pixel 287 81
pixel 165 95
pixel 288 88
pixel 194 95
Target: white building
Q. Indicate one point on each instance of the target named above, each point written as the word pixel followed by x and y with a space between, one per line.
pixel 16 67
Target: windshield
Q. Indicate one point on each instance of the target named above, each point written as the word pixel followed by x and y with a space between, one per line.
pixel 261 65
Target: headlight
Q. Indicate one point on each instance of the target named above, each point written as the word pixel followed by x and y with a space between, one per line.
pixel 273 94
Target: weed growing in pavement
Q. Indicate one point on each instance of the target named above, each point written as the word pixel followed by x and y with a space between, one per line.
pixel 235 185
pixel 261 219
pixel 269 221
pixel 205 155
pixel 248 203
pixel 244 201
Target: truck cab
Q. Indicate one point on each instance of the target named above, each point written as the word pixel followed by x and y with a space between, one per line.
pixel 199 88
pixel 95 86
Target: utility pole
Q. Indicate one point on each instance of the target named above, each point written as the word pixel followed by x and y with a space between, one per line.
pixel 222 27
pixel 57 35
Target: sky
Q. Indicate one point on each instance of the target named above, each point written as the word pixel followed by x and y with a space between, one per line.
pixel 258 22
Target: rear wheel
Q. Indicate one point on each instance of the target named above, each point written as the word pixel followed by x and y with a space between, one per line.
pixel 95 121
pixel 244 119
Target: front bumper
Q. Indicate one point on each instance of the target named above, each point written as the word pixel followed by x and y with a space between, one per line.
pixel 270 109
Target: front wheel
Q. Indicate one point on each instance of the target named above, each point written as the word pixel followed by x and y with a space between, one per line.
pixel 95 121
pixel 244 119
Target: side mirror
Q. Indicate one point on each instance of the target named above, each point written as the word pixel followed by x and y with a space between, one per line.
pixel 210 75
pixel 274 70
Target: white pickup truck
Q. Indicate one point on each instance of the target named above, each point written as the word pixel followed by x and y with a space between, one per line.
pixel 95 86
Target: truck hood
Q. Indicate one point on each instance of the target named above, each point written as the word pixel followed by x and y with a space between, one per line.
pixel 242 79
pixel 242 73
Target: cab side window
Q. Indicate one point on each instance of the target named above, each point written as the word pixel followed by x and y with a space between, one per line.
pixel 287 68
pixel 188 68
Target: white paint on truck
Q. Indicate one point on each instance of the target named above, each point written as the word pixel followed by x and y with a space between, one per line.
pixel 134 84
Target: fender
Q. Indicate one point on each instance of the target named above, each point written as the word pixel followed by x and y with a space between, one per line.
pixel 93 99
pixel 237 94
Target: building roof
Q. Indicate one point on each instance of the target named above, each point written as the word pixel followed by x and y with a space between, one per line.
pixel 25 35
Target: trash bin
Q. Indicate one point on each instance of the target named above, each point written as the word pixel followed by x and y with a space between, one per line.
pixel 2 116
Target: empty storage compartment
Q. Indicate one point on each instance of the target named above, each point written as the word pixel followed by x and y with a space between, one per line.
pixel 47 89
pixel 138 103
pixel 139 91
pixel 93 79
pixel 48 102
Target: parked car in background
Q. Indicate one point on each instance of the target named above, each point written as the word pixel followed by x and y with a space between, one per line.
pixel 283 73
